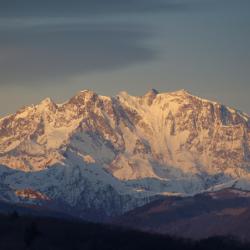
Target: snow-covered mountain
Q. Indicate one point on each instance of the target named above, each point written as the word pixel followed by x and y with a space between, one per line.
pixel 111 154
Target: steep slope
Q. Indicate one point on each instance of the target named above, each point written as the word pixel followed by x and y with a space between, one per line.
pixel 92 151
pixel 86 191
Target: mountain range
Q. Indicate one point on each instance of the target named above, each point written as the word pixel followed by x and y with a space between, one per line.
pixel 98 157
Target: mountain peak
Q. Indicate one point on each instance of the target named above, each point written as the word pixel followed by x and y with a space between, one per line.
pixel 151 95
pixel 47 102
pixel 86 92
pixel 82 96
pixel 151 92
pixel 183 92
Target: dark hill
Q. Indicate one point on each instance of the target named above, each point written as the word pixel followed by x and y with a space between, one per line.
pixel 20 232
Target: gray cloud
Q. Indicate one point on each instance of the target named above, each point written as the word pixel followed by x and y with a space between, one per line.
pixel 29 55
pixel 42 40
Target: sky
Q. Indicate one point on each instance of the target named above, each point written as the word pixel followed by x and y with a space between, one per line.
pixel 56 48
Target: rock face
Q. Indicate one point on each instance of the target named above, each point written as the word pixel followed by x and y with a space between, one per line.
pixel 112 154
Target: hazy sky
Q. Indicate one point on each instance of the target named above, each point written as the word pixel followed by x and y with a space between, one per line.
pixel 57 47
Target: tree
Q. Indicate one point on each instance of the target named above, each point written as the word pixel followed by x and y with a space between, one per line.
pixel 30 233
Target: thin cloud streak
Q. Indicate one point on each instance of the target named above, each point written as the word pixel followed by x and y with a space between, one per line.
pixel 31 22
pixel 17 8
